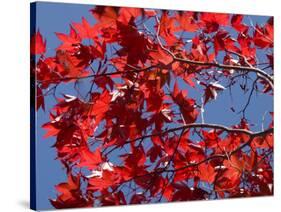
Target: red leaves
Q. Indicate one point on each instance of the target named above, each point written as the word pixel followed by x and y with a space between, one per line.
pixel 212 21
pixel 263 141
pixel 127 14
pixel 53 130
pixel 85 30
pixel 68 41
pixel 68 65
pixel 70 195
pixel 100 107
pixel 263 36
pixel 211 90
pixel 211 139
pixel 128 34
pixel 37 44
pixel 138 199
pixel 230 177
pixel 72 43
pixel 117 198
pixel 107 179
pixel 199 51
pixel 67 188
pixel 206 172
pixel 137 157
pixel 168 192
pixel 128 113
pixel 161 56
pixel 105 15
pixel 223 41
pixel 261 39
pixel 184 192
pixel 90 159
pixel 167 28
pixel 246 49
pixel 187 22
pixel 236 23
pixel 40 99
pixel 186 106
pixel 154 152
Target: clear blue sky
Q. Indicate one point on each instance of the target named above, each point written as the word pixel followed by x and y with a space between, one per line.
pixel 52 17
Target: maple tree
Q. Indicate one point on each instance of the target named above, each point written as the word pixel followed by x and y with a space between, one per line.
pixel 139 135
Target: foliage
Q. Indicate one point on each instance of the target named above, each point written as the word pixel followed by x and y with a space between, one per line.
pixel 138 135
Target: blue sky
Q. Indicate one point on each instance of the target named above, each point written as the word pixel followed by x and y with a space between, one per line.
pixel 51 18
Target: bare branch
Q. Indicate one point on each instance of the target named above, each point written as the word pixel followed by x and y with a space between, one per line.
pixel 243 111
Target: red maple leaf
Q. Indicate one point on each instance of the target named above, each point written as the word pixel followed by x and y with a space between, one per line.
pixel 186 106
pixel 70 194
pixel 37 44
pixel 68 41
pixel 206 172
pixel 236 22
pixel 212 21
pixel 85 29
pixel 211 90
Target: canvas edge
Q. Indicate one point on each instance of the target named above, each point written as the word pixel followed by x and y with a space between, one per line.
pixel 33 192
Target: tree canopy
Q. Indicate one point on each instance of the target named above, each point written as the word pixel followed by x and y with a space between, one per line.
pixel 139 134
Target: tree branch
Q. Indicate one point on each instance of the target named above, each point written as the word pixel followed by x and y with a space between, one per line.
pixel 134 70
pixel 197 125
pixel 249 68
pixel 212 157
pixel 258 71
